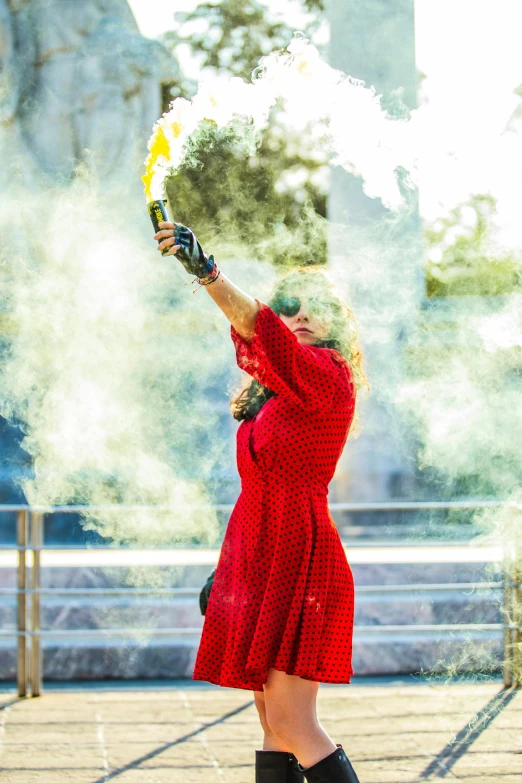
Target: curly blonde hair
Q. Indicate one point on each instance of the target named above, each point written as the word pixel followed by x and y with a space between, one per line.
pixel 342 334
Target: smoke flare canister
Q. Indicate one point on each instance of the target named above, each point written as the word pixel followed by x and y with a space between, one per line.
pixel 158 212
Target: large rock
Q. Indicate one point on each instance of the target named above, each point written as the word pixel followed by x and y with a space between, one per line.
pixel 80 83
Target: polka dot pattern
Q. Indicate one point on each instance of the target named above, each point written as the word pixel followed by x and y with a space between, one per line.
pixel 283 593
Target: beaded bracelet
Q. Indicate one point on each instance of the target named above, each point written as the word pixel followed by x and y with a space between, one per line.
pixel 214 274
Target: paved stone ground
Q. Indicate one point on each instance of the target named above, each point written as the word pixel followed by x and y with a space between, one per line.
pixel 394 732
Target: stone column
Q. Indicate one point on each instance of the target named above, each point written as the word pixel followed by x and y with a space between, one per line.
pixel 376 255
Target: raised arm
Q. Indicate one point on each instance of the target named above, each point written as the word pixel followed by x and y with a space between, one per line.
pixel 305 375
pixel 240 308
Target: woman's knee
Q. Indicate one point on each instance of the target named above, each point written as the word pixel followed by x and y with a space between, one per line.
pixel 287 722
pixel 287 718
pixel 290 705
pixel 280 720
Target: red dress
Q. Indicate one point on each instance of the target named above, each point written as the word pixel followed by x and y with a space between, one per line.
pixel 283 594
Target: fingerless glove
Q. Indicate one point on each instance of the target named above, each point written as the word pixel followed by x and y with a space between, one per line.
pixel 191 254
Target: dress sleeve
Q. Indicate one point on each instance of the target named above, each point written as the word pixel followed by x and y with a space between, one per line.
pixel 306 376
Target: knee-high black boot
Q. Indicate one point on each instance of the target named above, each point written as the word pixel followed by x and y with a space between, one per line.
pixel 335 768
pixel 277 766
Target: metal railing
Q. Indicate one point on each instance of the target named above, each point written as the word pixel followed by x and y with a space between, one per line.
pixel 28 592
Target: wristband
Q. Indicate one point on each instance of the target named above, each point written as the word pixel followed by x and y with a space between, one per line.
pixel 208 279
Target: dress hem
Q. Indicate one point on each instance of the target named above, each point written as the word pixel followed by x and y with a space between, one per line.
pixel 227 683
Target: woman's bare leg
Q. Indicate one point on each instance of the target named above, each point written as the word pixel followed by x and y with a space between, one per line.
pixel 270 741
pixel 290 713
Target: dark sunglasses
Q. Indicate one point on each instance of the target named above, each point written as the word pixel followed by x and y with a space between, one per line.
pixel 290 305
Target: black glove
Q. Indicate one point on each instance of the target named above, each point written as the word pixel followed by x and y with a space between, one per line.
pixel 191 254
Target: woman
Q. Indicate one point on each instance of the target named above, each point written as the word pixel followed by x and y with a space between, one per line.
pixel 280 615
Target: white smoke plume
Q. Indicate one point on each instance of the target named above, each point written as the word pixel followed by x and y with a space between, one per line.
pixel 107 357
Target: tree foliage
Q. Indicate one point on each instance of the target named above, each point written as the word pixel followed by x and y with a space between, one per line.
pixel 461 259
pixel 232 35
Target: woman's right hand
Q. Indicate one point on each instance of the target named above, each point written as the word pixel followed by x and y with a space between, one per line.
pixel 167 236
pixel 182 243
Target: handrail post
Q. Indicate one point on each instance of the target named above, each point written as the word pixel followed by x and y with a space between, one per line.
pixel 22 519
pixel 517 615
pixel 36 650
pixel 507 612
pixel 512 606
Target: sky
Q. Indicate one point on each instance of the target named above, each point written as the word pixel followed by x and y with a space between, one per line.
pixel 470 42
